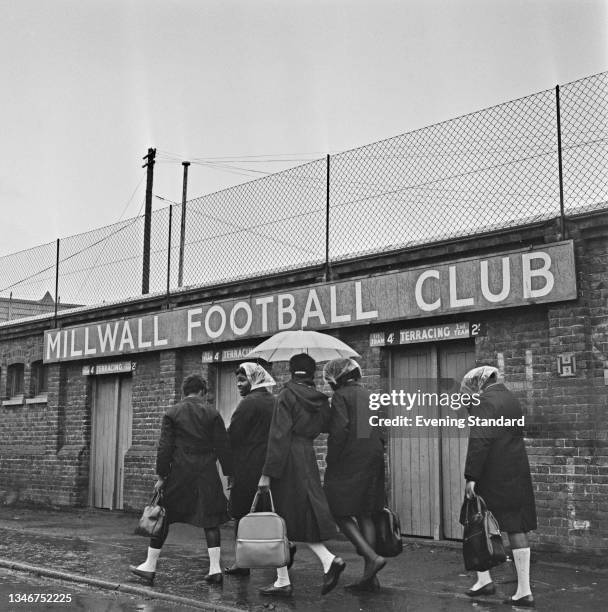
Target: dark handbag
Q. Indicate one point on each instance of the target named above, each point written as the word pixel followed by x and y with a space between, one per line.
pixel 261 539
pixel 388 533
pixel 482 546
pixel 153 517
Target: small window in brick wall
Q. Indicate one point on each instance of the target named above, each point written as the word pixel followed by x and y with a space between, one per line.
pixel 14 380
pixel 39 379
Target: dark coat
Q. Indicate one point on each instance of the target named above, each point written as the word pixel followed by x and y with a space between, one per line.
pixel 248 433
pixel 354 478
pixel 300 415
pixel 192 438
pixel 498 463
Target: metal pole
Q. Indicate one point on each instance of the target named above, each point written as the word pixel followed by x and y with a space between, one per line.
pixel 327 267
pixel 169 252
pixel 56 284
pixel 559 161
pixel 182 234
pixel 145 276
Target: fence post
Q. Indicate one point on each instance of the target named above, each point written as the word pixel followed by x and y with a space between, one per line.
pixel 169 253
pixel 56 285
pixel 562 213
pixel 327 264
pixel 182 234
pixel 145 276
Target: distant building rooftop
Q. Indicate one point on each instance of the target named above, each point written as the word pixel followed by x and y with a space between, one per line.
pixel 16 308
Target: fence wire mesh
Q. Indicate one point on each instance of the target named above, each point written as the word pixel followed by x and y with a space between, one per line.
pixel 489 170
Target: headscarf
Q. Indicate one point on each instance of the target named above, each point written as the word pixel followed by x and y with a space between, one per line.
pixel 257 375
pixel 475 380
pixel 337 368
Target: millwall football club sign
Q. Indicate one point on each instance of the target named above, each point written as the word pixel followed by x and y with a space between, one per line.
pixel 517 278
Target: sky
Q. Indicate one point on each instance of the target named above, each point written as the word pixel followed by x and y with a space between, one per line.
pixel 88 87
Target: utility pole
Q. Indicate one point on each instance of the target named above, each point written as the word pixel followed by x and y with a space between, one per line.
pixel 145 276
pixel 182 234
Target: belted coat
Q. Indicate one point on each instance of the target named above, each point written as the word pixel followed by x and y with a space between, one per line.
pixel 193 437
pixel 300 415
pixel 354 478
pixel 498 463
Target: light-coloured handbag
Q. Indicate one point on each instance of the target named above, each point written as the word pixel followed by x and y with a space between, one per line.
pixel 261 539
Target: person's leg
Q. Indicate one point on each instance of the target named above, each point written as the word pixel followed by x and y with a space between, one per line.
pixel 234 570
pixel 147 569
pixel 325 556
pixel 521 557
pixel 483 579
pixel 348 526
pixel 212 535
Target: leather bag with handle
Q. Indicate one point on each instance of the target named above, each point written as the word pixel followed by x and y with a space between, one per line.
pixel 153 517
pixel 261 539
pixel 482 546
pixel 388 533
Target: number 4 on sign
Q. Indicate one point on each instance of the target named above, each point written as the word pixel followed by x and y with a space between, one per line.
pixel 390 339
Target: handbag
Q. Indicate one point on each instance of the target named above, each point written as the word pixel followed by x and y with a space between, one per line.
pixel 261 539
pixel 482 546
pixel 153 517
pixel 388 533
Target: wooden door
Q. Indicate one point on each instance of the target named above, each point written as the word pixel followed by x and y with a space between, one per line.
pixel 455 360
pixel 227 398
pixel 414 451
pixel 111 422
pixel 227 393
pixel 123 436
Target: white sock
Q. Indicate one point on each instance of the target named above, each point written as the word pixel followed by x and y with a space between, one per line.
pixel 521 556
pixel 282 577
pixel 483 578
pixel 324 555
pixel 214 560
pixel 149 565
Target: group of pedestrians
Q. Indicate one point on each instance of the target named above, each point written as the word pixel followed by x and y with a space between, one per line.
pixel 269 445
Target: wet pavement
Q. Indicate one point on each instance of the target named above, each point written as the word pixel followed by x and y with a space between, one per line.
pixel 100 545
pixel 21 592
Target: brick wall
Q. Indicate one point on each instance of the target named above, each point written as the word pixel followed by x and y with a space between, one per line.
pixel 45 447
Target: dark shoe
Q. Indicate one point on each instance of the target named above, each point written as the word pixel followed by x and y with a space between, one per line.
pixel 374 567
pixel 486 589
pixel 237 571
pixel 292 554
pixel 214 578
pixel 147 576
pixel 527 601
pixel 284 591
pixel 331 578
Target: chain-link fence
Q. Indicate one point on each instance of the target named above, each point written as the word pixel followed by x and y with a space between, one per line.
pixel 492 169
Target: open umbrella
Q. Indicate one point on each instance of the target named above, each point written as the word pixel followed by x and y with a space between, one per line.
pixel 284 345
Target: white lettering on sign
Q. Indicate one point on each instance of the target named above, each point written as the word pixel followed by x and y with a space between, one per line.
pixel 191 323
pixel 455 301
pixel 263 302
pixel 485 282
pixel 313 309
pixel 88 350
pixel 422 304
pixel 528 273
pixel 360 314
pixel 333 308
pixel 215 333
pixel 471 284
pixel 286 308
pixel 239 331
pixel 141 343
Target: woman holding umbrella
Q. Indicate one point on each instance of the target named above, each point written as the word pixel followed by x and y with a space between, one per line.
pixel 300 415
pixel 354 479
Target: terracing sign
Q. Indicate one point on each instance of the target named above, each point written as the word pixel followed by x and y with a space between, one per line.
pixel 517 278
